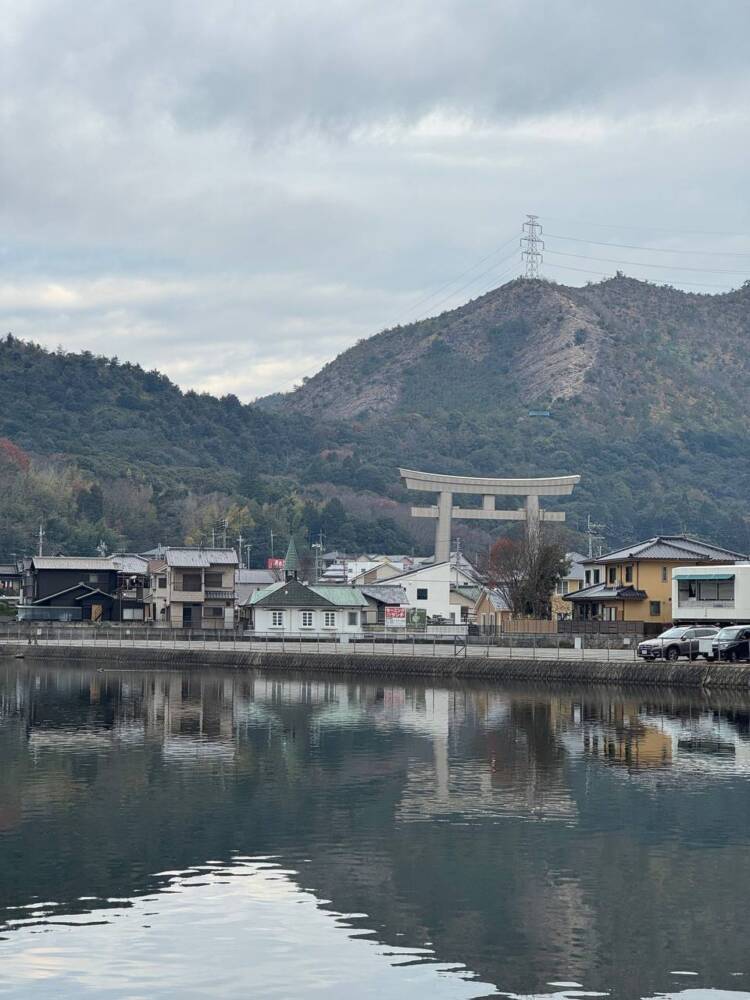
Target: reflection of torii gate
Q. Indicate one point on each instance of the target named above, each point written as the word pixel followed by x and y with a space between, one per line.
pixel 488 489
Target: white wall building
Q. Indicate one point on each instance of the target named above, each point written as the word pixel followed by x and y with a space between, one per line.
pixel 294 608
pixel 711 593
pixel 429 589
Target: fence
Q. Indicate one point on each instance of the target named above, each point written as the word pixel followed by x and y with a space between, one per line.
pixel 505 646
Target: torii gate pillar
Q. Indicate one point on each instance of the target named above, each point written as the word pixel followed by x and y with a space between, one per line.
pixel 488 489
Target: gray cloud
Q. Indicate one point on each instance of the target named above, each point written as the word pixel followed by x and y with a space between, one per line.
pixel 236 192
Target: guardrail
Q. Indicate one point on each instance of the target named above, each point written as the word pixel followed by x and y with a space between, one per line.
pixel 504 646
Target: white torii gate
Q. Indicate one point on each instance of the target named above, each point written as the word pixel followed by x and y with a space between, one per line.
pixel 488 489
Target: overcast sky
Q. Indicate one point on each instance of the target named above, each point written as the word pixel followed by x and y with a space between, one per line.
pixel 235 192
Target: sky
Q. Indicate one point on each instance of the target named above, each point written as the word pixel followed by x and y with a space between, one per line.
pixel 235 192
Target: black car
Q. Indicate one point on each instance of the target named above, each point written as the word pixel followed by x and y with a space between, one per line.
pixel 732 643
pixel 680 640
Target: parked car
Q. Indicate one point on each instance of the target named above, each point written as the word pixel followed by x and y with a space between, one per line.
pixel 732 643
pixel 676 642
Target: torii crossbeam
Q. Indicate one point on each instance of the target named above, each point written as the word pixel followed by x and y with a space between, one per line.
pixel 488 489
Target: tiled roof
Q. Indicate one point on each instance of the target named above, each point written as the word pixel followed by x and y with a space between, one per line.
pixel 91 564
pixel 576 561
pixel 257 576
pixel 386 594
pixel 497 600
pixel 671 547
pixel 604 592
pixel 197 558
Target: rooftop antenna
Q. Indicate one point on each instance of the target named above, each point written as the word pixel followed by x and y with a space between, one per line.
pixel 532 246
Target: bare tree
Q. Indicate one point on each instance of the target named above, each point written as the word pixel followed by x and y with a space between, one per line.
pixel 526 571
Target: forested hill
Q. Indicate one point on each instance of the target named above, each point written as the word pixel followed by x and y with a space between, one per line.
pixel 646 387
pixel 642 390
pixel 98 451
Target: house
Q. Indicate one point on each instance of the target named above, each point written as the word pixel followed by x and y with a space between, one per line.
pixel 132 581
pixel 491 611
pixel 572 581
pixel 429 588
pixel 291 607
pixel 714 594
pixel 68 588
pixel 10 583
pixel 463 598
pixel 379 597
pixel 634 583
pixel 247 581
pixel 383 569
pixel 193 587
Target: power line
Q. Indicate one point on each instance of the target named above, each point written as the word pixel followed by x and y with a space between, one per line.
pixel 632 246
pixel 608 274
pixel 447 284
pixel 473 281
pixel 653 229
pixel 638 263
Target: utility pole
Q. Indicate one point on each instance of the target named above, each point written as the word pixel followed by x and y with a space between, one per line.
pixel 532 246
pixel 272 543
pixel 41 540
pixel 240 540
pixel 248 546
pixel 317 548
pixel 593 531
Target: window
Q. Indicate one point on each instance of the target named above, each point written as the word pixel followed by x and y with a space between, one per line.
pixel 609 614
pixel 421 593
pixel 329 619
pixel 655 609
pixel 629 574
pixel 93 578
pixel 664 576
pixel 277 619
pixel 191 581
pixel 353 618
pixel 307 619
pixel 132 614
pixel 705 590
pixel 597 576
pixel 588 577
pixel 214 580
pixel 612 574
pixel 162 583
pixel 213 612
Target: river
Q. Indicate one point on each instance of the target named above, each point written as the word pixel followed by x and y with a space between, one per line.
pixel 219 834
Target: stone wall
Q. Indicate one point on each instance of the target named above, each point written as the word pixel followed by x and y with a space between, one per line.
pixel 694 675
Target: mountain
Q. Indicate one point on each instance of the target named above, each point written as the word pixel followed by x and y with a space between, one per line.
pixel 646 386
pixel 96 450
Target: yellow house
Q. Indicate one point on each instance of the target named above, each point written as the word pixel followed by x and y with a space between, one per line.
pixel 572 581
pixel 634 584
pixel 491 611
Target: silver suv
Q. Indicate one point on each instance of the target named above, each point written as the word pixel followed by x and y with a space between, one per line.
pixel 677 641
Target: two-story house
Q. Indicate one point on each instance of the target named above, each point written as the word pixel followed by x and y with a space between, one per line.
pixel 193 587
pixel 634 583
pixel 69 588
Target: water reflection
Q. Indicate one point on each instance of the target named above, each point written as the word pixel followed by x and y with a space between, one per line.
pixel 422 841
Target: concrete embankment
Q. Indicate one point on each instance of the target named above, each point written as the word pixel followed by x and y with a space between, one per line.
pixel 622 673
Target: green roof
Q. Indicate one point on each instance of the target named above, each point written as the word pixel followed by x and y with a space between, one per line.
pixel 291 562
pixel 293 594
pixel 344 597
pixel 703 576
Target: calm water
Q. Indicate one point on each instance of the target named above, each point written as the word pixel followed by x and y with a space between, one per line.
pixel 207 834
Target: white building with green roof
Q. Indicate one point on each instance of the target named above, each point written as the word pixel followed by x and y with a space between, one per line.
pixel 293 608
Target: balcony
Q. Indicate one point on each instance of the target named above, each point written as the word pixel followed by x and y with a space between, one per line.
pixel 694 603
pixel 219 594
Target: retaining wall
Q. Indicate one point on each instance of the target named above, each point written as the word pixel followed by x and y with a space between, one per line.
pixel 659 673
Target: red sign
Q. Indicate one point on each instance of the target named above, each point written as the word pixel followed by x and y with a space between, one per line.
pixel 274 563
pixel 395 617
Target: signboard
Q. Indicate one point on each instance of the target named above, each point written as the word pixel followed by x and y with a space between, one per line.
pixel 416 618
pixel 395 617
pixel 275 563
